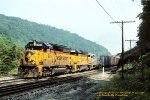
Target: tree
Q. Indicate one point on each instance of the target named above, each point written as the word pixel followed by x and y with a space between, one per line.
pixel 9 55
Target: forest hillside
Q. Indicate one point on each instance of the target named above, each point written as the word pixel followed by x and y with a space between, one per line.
pixel 22 31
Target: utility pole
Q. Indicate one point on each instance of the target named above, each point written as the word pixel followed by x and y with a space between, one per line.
pixel 130 42
pixel 122 54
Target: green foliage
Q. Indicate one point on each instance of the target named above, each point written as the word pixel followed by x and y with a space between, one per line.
pixel 9 55
pixel 144 28
pixel 131 55
pixel 13 71
pixel 22 31
pixel 131 83
pixel 146 59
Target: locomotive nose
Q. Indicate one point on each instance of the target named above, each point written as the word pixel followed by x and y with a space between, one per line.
pixel 28 55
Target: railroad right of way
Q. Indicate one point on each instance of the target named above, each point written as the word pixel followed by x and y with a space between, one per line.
pixel 17 88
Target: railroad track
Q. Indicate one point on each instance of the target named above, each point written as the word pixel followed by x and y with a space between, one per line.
pixel 15 81
pixel 12 89
pixel 10 81
pixel 20 81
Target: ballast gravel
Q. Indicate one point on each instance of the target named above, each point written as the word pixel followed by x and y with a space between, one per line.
pixel 84 89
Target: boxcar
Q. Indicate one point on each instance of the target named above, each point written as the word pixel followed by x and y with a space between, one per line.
pixel 108 61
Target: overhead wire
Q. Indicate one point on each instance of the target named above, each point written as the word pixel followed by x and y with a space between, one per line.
pixel 106 11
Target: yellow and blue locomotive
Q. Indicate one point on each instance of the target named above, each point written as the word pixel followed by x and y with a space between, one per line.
pixel 41 59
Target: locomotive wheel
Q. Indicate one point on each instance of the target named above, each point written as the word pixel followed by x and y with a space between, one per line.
pixel 44 73
pixel 68 70
pixel 52 71
pixel 36 73
pixel 89 67
pixel 72 70
pixel 78 69
pixel 20 72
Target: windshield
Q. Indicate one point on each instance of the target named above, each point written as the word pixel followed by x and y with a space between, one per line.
pixel 34 48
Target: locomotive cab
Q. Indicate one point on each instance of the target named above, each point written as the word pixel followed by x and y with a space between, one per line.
pixel 32 59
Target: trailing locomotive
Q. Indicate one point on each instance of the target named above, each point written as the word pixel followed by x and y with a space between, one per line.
pixel 41 59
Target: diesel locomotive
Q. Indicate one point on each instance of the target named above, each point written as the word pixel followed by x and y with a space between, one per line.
pixel 41 59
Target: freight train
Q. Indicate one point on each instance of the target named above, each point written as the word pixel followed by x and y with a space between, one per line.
pixel 107 61
pixel 41 59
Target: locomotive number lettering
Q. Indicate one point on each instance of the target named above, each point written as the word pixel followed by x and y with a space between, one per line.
pixel 62 58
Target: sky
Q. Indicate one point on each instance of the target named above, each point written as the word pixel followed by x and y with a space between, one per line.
pixel 83 17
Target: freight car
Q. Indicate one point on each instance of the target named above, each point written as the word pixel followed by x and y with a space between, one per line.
pixel 108 61
pixel 41 59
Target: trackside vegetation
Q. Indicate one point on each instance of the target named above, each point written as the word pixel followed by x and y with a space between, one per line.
pixel 132 86
pixel 9 56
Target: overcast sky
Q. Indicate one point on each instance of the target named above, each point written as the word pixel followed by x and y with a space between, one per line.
pixel 84 17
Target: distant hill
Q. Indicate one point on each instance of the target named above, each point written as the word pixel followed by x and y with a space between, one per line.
pixel 22 31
